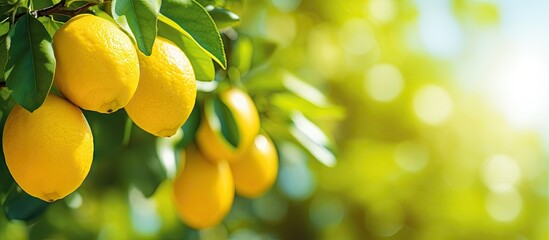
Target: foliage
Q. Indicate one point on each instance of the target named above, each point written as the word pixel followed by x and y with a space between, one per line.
pixel 410 164
pixel 126 158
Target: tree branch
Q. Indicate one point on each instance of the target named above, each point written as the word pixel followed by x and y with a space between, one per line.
pixel 58 9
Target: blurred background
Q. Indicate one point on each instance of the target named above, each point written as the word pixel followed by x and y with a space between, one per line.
pixel 442 130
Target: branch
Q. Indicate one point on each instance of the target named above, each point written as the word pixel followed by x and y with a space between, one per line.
pixel 58 9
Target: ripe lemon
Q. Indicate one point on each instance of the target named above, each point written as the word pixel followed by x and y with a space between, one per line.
pixel 257 168
pixel 166 92
pixel 48 152
pixel 97 66
pixel 203 190
pixel 211 141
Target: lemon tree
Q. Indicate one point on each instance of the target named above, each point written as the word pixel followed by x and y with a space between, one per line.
pixel 106 97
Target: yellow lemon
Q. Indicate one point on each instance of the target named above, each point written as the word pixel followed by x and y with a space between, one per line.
pixel 211 140
pixel 203 190
pixel 166 92
pixel 97 66
pixel 48 152
pixel 257 168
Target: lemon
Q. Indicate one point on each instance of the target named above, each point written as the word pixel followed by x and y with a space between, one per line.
pixel 97 66
pixel 166 92
pixel 211 141
pixel 257 168
pixel 48 152
pixel 203 190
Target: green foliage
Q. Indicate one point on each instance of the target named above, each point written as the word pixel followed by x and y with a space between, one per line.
pixel 221 119
pixel 7 7
pixel 138 17
pixel 3 50
pixel 195 20
pixel 125 157
pixel 200 59
pixel 50 24
pixel 223 18
pixel 21 206
pixel 31 63
pixel 143 168
pixel 189 128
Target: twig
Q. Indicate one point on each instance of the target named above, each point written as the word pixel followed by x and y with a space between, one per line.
pixel 58 9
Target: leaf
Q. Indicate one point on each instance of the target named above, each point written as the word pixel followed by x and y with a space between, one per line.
pixel 138 17
pixel 222 121
pixel 312 138
pixel 223 18
pixel 206 2
pixel 22 206
pixel 242 54
pixel 6 104
pixel 143 167
pixel 31 63
pixel 3 56
pixel 189 128
pixel 7 7
pixel 39 4
pixel 290 102
pixel 50 24
pixel 202 63
pixel 102 14
pixel 4 28
pixel 108 131
pixel 196 21
pixel 263 50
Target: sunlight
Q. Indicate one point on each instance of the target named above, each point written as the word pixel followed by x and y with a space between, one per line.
pixel 522 79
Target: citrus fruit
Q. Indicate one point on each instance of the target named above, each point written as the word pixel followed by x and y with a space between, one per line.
pixel 166 92
pixel 48 152
pixel 203 190
pixel 211 139
pixel 97 66
pixel 257 168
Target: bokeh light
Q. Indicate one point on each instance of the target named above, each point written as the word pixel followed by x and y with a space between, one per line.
pixel 384 82
pixel 432 104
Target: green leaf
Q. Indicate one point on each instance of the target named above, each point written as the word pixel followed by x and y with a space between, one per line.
pixel 7 7
pixel 39 4
pixel 205 2
pixel 223 18
pixel 102 14
pixel 4 28
pixel 290 102
pixel 195 20
pixel 22 206
pixel 222 121
pixel 242 54
pixel 50 24
pixel 31 63
pixel 108 131
pixel 312 138
pixel 3 56
pixel 6 104
pixel 263 50
pixel 189 128
pixel 202 63
pixel 139 18
pixel 142 167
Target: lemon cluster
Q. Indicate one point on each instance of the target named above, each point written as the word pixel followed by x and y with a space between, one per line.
pixel 212 171
pixel 98 69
